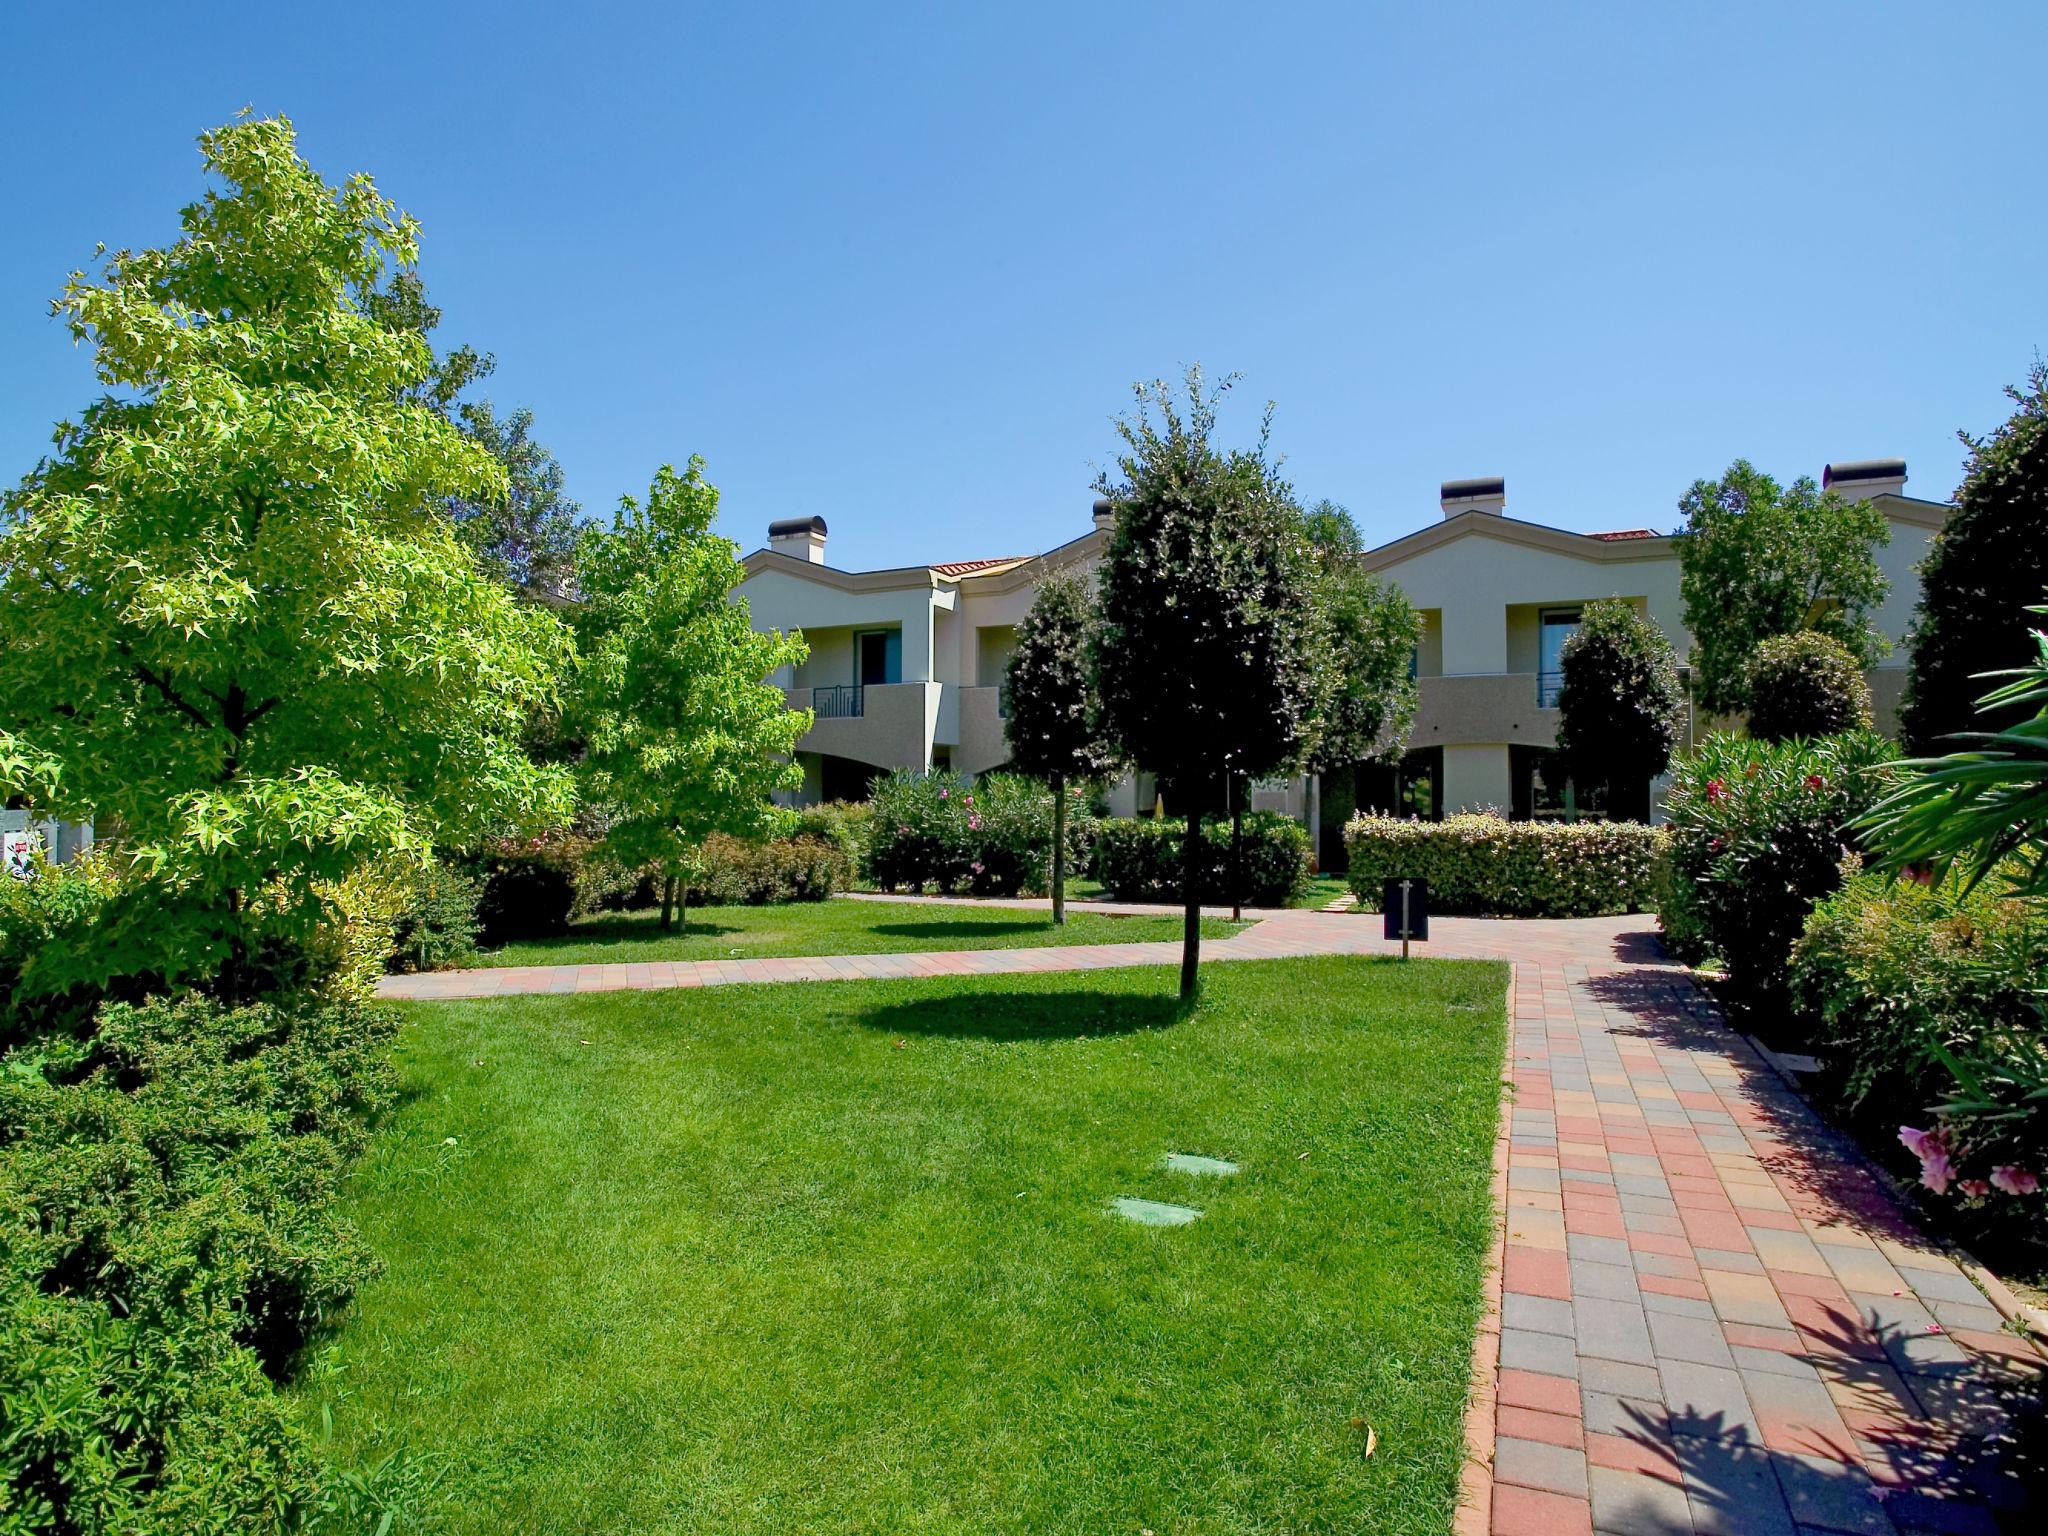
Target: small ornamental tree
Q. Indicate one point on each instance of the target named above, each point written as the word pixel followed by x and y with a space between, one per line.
pixel 238 627
pixel 1759 559
pixel 1209 652
pixel 1373 629
pixel 1805 684
pixel 1053 731
pixel 1988 563
pixel 1618 703
pixel 684 734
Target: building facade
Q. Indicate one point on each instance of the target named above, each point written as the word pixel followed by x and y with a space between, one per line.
pixel 906 665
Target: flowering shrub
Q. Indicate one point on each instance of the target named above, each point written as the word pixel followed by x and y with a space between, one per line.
pixel 738 871
pixel 1759 832
pixel 1488 866
pixel 990 838
pixel 1140 860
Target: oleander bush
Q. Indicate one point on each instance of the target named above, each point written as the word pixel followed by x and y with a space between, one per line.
pixel 990 838
pixel 737 871
pixel 1805 684
pixel 1759 834
pixel 1484 865
pixel 1139 859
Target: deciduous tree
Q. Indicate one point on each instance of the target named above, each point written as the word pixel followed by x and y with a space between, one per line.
pixel 1209 652
pixel 1759 559
pixel 1618 703
pixel 237 625
pixel 1373 630
pixel 1988 563
pixel 1053 729
pixel 685 735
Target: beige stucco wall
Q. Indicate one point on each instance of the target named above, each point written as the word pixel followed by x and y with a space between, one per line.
pixel 983 741
pixel 1497 708
pixel 893 730
pixel 1477 778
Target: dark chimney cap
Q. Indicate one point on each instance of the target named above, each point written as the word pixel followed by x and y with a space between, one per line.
pixel 1862 471
pixel 1103 507
pixel 790 525
pixel 1484 485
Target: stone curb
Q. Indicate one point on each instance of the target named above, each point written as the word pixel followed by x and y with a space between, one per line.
pixel 1474 1515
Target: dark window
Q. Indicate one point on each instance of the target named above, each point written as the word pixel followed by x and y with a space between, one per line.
pixel 880 658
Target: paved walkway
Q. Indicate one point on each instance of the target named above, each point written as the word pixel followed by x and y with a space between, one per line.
pixel 1712 1316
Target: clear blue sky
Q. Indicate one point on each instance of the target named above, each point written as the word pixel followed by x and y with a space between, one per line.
pixel 899 265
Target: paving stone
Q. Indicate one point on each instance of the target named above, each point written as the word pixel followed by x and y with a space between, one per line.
pixel 1599 1250
pixel 1547 1354
pixel 1622 1379
pixel 1541 1314
pixel 1613 1330
pixel 1708 1401
pixel 1684 1306
pixel 1731 1489
pixel 1519 1511
pixel 1689 1338
pixel 1829 1496
pixel 1968 1315
pixel 1605 1413
pixel 1614 1282
pixel 1535 1464
pixel 1940 1281
pixel 1772 1362
pixel 1632 1504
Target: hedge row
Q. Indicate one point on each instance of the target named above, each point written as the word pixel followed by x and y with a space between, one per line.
pixel 1483 865
pixel 990 838
pixel 1140 860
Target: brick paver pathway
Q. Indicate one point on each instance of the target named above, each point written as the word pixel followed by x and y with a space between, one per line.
pixel 1713 1317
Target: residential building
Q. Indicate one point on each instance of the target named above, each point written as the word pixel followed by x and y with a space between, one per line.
pixel 906 665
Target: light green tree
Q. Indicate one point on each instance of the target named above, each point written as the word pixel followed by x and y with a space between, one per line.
pixel 239 629
pixel 1759 560
pixel 684 734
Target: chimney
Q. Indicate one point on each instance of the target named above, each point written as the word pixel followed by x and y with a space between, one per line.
pixel 1488 493
pixel 801 538
pixel 1105 513
pixel 1865 478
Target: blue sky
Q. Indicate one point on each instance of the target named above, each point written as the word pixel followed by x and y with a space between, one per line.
pixel 899 265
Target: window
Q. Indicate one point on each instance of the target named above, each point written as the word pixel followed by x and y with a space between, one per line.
pixel 1555 626
pixel 878 656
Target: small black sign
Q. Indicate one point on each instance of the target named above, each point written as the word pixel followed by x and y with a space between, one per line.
pixel 1406 905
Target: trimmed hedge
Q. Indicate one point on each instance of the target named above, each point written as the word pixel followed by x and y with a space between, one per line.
pixel 734 872
pixel 1486 866
pixel 1140 860
pixel 1805 684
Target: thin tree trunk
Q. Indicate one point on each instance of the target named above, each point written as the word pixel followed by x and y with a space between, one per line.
pixel 1191 896
pixel 668 900
pixel 682 906
pixel 1236 852
pixel 1059 850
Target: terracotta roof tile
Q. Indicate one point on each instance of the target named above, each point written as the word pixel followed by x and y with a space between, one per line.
pixel 969 567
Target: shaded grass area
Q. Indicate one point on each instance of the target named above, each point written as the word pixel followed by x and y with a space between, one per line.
pixel 1321 891
pixel 836 1258
pixel 832 928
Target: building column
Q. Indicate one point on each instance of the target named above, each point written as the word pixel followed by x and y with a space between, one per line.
pixel 1477 779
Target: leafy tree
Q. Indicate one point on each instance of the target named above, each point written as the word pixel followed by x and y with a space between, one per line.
pixel 685 737
pixel 1618 703
pixel 237 626
pixel 1987 564
pixel 1209 652
pixel 526 537
pixel 1808 685
pixel 1760 560
pixel 1052 728
pixel 1373 630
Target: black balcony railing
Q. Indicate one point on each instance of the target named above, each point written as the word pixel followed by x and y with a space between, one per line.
pixel 837 703
pixel 1002 701
pixel 1548 686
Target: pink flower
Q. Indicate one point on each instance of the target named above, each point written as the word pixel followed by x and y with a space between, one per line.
pixel 1716 791
pixel 977 868
pixel 2013 1180
pixel 1936 1171
pixel 902 830
pixel 974 823
pixel 1917 1142
pixel 944 793
pixel 1976 1189
pixel 1815 781
pixel 967 799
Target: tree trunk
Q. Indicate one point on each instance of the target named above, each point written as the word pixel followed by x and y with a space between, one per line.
pixel 1191 897
pixel 668 900
pixel 1059 850
pixel 1236 853
pixel 682 906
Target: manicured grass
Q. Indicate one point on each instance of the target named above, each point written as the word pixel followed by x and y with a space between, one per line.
pixel 832 928
pixel 1322 890
pixel 836 1258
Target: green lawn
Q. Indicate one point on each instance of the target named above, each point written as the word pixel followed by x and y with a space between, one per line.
pixel 1322 890
pixel 833 928
pixel 837 1258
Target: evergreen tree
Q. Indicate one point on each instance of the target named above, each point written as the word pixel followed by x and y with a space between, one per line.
pixel 1618 704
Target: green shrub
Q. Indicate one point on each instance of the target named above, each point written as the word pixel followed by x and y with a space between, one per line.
pixel 846 824
pixel 529 886
pixel 1486 866
pixel 991 838
pixel 1140 859
pixel 1805 684
pixel 168 1239
pixel 735 871
pixel 51 962
pixel 436 928
pixel 1759 831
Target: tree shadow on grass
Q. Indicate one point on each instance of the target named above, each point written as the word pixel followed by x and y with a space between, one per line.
pixel 940 929
pixel 625 930
pixel 1029 1015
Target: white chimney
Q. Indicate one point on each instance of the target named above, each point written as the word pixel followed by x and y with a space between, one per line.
pixel 1865 478
pixel 1487 493
pixel 801 538
pixel 1105 513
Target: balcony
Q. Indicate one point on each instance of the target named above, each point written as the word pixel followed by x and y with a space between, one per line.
pixel 1548 686
pixel 842 702
pixel 1486 708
